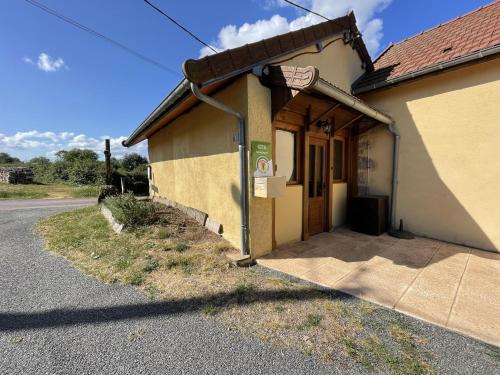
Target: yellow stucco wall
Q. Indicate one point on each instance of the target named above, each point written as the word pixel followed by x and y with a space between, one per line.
pixel 259 129
pixel 338 63
pixel 195 161
pixel 288 218
pixel 449 172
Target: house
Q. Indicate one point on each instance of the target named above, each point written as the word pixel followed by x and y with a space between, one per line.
pixel 272 140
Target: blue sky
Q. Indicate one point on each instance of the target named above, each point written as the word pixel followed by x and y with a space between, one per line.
pixel 63 88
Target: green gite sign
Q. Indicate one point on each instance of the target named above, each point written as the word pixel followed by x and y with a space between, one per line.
pixel 261 159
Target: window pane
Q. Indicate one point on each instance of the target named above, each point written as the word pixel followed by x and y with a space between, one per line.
pixel 338 159
pixel 286 165
pixel 312 170
pixel 319 183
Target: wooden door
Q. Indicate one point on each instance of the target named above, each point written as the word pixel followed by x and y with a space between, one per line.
pixel 317 183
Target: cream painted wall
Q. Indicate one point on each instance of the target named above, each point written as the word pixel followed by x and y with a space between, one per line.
pixel 288 215
pixel 449 174
pixel 338 63
pixel 195 161
pixel 339 204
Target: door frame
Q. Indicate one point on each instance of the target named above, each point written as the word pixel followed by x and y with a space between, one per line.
pixel 329 175
pixel 320 141
pixel 305 130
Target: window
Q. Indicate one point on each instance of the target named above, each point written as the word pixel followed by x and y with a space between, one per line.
pixel 338 160
pixel 287 155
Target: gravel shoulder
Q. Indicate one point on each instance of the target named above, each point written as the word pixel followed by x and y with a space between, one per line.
pixel 55 320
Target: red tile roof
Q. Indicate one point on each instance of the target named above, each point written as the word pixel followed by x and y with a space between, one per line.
pixel 241 59
pixel 472 32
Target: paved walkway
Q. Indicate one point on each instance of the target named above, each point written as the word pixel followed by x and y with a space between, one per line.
pixel 54 320
pixel 448 285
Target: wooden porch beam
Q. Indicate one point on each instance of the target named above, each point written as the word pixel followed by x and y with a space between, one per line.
pixel 350 122
pixel 325 114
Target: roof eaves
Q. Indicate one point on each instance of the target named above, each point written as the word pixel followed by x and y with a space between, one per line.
pixel 177 93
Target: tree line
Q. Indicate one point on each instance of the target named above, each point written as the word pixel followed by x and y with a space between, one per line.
pixel 83 167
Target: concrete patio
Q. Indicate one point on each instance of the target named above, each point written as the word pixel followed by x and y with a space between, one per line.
pixel 449 285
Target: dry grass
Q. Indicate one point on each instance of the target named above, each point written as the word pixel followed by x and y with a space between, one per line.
pixel 182 261
pixel 36 191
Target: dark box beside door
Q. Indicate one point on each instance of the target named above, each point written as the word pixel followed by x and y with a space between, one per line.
pixel 369 214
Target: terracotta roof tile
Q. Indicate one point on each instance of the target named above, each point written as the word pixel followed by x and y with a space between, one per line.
pixel 237 60
pixel 475 31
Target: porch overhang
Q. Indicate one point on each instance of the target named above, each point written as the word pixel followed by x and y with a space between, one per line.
pixel 302 92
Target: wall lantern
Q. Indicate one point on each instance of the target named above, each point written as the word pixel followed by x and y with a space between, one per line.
pixel 325 125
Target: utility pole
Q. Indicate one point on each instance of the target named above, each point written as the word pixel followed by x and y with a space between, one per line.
pixel 107 155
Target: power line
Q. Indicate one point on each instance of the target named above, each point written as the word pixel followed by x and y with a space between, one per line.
pixel 102 36
pixel 306 9
pixel 179 25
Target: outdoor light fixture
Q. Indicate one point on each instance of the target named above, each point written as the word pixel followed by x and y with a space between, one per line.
pixel 325 125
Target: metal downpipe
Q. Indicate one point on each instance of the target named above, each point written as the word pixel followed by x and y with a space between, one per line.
pixel 243 160
pixel 395 168
pixel 344 98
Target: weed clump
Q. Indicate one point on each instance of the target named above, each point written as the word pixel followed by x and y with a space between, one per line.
pixel 185 263
pixel 151 265
pixel 131 212
pixel 181 247
pixel 311 321
pixel 209 310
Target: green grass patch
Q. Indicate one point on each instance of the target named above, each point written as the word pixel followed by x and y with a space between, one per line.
pixel 244 287
pixel 151 265
pixel 493 352
pixel 311 321
pixel 39 191
pixel 181 247
pixel 163 233
pixel 85 192
pixel 209 310
pixel 185 263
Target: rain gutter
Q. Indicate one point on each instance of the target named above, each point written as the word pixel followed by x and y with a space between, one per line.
pixel 330 90
pixel 180 90
pixel 242 149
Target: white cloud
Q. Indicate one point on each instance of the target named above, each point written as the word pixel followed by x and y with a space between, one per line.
pixel 231 36
pixel 47 63
pixel 35 142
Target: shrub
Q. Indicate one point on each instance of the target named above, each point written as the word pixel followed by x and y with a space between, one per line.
pixel 131 212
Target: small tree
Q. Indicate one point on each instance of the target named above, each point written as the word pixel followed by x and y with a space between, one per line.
pixel 79 167
pixel 42 169
pixel 132 161
pixel 7 159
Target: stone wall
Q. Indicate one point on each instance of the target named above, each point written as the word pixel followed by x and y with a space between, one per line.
pixel 16 175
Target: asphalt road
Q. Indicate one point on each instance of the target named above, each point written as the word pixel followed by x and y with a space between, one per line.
pixel 54 320
pixel 26 204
